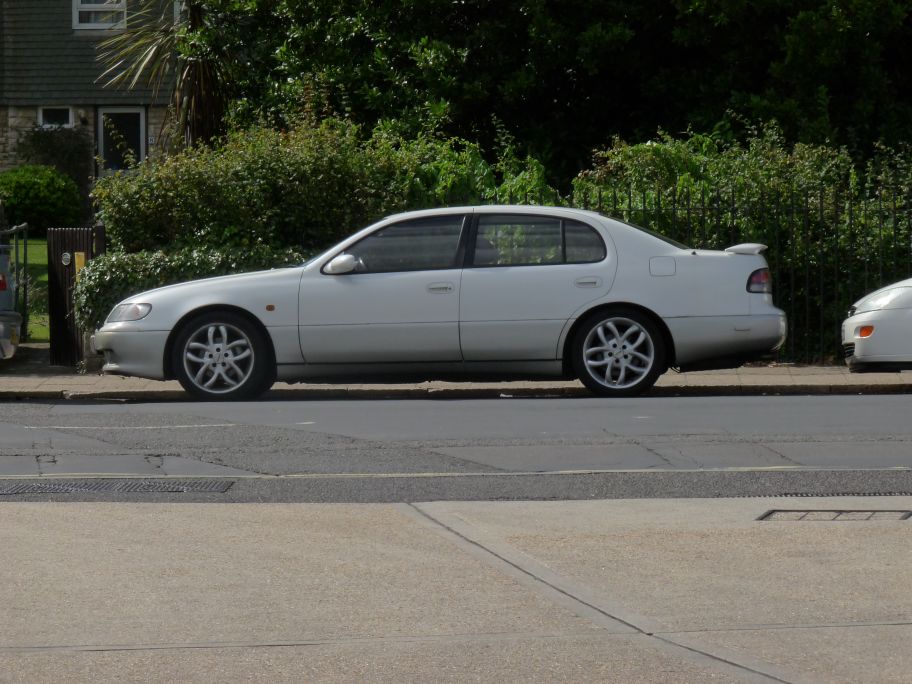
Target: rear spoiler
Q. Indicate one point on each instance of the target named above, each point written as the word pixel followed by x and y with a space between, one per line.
pixel 747 248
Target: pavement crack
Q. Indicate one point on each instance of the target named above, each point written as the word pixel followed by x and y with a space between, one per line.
pixel 157 461
pixel 781 455
pixel 44 459
pixel 658 454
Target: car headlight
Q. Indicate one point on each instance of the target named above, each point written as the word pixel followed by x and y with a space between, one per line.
pixel 128 312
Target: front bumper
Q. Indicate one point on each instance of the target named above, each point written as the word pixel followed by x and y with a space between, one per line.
pixel 10 326
pixel 888 348
pixel 135 353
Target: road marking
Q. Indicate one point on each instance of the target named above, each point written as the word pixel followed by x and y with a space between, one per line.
pixel 307 422
pixel 123 427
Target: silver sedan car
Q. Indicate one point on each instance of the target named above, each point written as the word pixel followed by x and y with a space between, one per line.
pixel 469 292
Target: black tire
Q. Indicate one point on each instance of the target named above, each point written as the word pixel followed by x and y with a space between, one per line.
pixel 222 356
pixel 618 353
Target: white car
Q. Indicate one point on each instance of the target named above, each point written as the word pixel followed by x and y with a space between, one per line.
pixel 877 335
pixel 470 292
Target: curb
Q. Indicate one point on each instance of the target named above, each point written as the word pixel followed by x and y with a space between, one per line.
pixel 468 392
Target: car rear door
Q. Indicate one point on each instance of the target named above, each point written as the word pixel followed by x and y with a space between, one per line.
pixel 525 277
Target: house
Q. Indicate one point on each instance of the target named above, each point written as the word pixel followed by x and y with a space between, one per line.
pixel 49 76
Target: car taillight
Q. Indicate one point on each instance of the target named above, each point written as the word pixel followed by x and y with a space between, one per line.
pixel 760 281
pixel 3 285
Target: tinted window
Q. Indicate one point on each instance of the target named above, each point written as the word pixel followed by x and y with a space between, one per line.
pixel 517 240
pixel 583 243
pixel 527 240
pixel 417 245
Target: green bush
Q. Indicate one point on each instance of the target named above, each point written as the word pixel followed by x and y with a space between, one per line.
pixel 69 150
pixel 303 188
pixel 113 277
pixel 40 196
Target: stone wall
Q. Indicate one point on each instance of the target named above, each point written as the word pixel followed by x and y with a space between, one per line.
pixel 13 120
pixel 5 161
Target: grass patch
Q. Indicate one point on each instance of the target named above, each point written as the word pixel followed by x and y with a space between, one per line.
pixel 37 273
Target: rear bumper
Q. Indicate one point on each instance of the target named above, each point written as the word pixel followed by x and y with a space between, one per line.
pixel 10 327
pixel 703 341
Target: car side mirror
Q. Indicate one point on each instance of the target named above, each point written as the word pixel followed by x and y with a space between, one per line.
pixel 344 263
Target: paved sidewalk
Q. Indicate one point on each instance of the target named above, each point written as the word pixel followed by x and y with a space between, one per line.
pixel 29 376
pixel 583 591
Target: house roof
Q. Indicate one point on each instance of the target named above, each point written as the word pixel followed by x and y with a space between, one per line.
pixel 45 61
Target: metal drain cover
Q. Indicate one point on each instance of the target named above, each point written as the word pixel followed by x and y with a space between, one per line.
pixel 797 515
pixel 120 486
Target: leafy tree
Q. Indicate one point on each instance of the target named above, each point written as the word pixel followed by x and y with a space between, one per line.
pixel 162 48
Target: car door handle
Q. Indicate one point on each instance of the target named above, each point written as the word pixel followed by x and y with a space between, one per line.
pixel 440 288
pixel 588 281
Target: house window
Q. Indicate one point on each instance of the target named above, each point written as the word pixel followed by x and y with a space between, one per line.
pixel 121 136
pixel 55 117
pixel 99 14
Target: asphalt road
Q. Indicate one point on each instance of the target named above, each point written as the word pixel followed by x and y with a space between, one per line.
pixel 467 449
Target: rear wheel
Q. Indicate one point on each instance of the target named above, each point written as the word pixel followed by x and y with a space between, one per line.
pixel 618 353
pixel 222 356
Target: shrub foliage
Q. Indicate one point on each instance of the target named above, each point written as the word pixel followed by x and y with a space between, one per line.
pixel 40 196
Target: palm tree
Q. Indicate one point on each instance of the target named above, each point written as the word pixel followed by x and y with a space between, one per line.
pixel 165 46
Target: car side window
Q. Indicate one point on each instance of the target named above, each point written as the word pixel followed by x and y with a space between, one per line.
pixel 531 240
pixel 417 245
pixel 583 244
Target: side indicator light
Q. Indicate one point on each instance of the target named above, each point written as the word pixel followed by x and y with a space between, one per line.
pixel 270 307
pixel 866 331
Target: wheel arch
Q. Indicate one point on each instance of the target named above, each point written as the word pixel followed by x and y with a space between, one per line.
pixel 244 313
pixel 613 306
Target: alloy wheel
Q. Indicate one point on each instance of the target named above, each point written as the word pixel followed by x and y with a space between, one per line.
pixel 619 353
pixel 218 358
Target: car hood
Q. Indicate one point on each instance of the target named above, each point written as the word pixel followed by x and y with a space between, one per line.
pixel 214 284
pixel 253 292
pixel 893 296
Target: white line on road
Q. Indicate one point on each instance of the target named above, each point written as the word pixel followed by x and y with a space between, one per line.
pixel 123 427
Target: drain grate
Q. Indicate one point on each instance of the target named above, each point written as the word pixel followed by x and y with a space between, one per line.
pixel 118 486
pixel 797 515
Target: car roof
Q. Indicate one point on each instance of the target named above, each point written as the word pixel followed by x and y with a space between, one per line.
pixel 563 212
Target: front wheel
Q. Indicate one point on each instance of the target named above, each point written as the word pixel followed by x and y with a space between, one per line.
pixel 618 353
pixel 222 356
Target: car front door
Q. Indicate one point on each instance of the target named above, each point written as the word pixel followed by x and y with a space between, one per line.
pixel 401 304
pixel 525 277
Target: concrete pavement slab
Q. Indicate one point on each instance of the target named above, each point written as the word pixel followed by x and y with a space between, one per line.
pixel 122 592
pixel 121 574
pixel 645 590
pixel 809 597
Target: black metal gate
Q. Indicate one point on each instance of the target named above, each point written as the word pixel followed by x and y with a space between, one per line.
pixel 69 250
